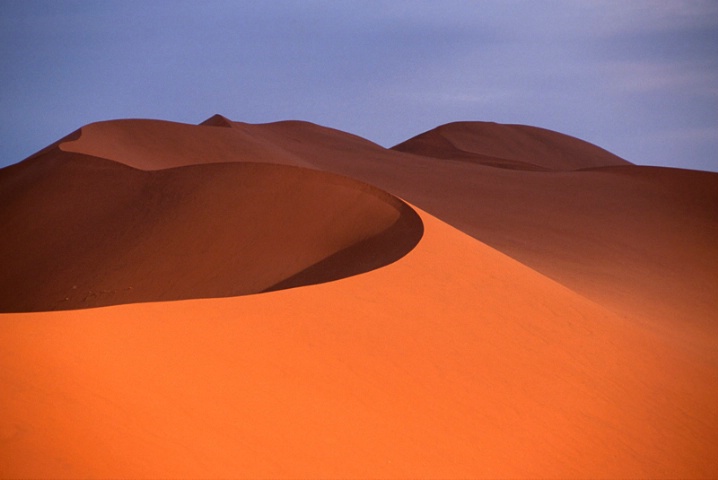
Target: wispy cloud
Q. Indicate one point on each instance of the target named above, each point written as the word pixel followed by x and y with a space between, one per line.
pixel 646 76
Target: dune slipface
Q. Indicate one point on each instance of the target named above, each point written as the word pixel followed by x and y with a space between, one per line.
pixel 88 232
pixel 546 309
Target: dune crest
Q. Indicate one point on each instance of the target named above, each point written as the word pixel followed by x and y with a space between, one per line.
pixel 158 144
pixel 89 232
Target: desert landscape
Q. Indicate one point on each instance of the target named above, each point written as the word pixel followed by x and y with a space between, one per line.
pixel 287 300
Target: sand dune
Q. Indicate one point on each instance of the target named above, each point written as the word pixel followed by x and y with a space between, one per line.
pixel 88 232
pixel 510 146
pixel 540 308
pixel 155 145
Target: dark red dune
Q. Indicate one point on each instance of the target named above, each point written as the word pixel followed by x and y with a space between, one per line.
pixel 288 300
pixel 89 232
pixel 509 146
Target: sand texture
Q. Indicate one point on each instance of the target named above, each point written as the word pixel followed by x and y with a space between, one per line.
pixel 286 300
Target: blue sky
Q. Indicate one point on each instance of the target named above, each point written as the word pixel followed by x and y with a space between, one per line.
pixel 639 78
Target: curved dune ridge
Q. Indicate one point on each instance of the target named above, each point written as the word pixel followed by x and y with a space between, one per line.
pixel 538 308
pixel 89 232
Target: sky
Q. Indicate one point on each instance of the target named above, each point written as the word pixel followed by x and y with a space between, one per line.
pixel 638 78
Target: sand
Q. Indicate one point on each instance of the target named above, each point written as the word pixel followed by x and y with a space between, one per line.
pixel 209 230
pixel 481 301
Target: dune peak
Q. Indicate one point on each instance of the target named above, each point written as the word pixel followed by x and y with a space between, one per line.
pixel 217 120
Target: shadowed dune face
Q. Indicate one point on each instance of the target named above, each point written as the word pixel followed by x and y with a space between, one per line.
pixel 88 232
pixel 640 239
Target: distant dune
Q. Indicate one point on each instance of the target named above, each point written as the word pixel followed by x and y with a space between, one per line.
pixel 509 146
pixel 288 300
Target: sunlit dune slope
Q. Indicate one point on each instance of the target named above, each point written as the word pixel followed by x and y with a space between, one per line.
pixel 85 232
pixel 455 361
pixel 641 239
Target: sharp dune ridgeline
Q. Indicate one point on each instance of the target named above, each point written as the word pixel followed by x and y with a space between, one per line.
pixel 285 300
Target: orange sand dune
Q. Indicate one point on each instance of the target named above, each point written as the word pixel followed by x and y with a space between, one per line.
pixel 564 326
pixel 641 239
pixel 455 361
